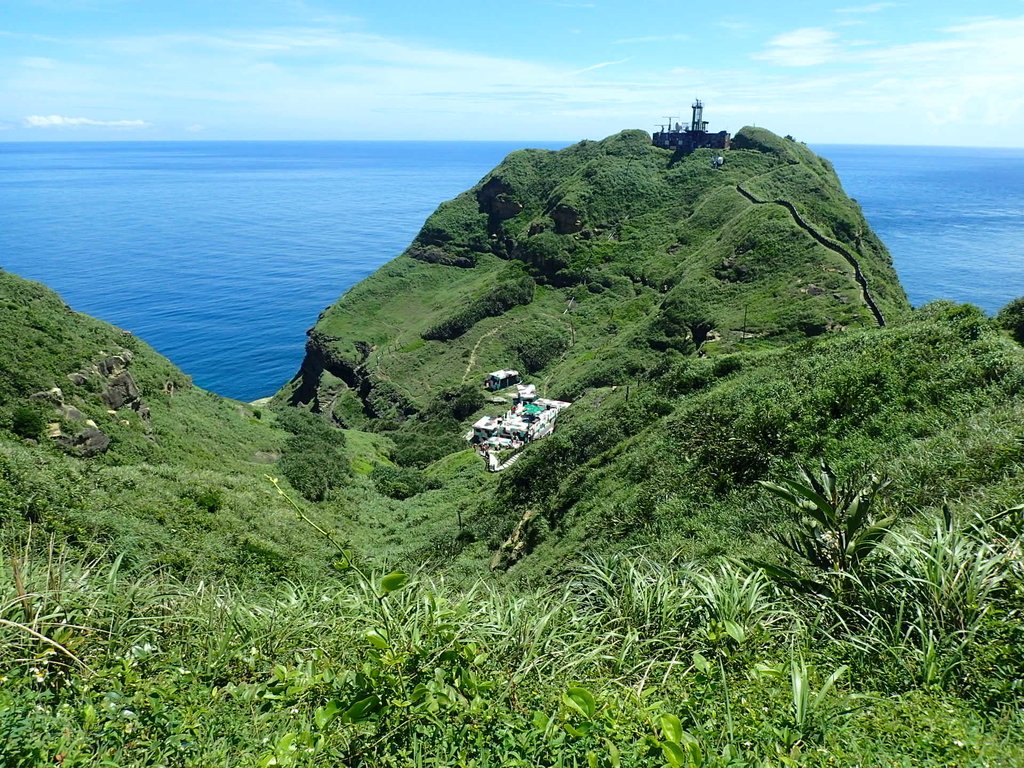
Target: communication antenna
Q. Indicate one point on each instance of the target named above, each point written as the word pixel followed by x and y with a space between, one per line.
pixel 670 119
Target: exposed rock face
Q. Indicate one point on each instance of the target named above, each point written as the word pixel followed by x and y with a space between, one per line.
pixel 321 356
pixel 54 396
pixel 121 391
pixel 380 398
pixel 496 200
pixel 517 545
pixel 89 442
pixel 567 220
pixel 115 364
pixel 70 413
pixel 431 254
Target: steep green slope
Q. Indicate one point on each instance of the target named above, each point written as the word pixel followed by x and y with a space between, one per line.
pixel 674 465
pixel 696 619
pixel 585 268
pixel 109 448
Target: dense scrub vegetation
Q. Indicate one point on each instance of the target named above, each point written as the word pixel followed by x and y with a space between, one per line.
pixel 676 577
pixel 630 661
pixel 495 302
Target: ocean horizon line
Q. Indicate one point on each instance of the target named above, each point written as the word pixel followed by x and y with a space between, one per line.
pixel 524 142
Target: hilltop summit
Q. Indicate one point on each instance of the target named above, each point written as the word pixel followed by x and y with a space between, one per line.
pixel 586 267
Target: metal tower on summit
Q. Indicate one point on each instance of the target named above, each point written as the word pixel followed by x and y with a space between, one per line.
pixel 698 123
pixel 685 139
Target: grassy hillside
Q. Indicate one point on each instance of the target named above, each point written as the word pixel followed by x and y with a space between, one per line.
pixel 108 448
pixel 780 525
pixel 909 655
pixel 585 268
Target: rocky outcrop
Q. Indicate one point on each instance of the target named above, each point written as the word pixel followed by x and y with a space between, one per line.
pixel 84 438
pixel 117 389
pixel 496 200
pixel 431 254
pixel 518 544
pixel 121 390
pixel 567 219
pixel 380 398
pixel 86 444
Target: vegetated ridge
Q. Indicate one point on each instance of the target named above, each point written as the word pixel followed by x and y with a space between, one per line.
pixel 780 524
pixel 588 266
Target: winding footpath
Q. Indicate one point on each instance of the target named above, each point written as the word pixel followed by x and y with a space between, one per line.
pixel 826 242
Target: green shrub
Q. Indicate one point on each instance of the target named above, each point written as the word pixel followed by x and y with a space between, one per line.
pixel 459 402
pixel 1011 317
pixel 537 344
pixel 424 441
pixel 209 499
pixel 314 459
pixel 400 482
pixel 498 301
pixel 28 421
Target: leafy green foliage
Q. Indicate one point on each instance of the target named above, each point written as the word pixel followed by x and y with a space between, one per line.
pixel 1011 317
pixel 400 482
pixel 837 530
pixel 459 402
pixel 628 661
pixel 28 421
pixel 314 459
pixel 495 302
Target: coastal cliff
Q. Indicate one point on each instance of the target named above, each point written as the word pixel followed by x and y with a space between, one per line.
pixel 585 267
pixel 780 522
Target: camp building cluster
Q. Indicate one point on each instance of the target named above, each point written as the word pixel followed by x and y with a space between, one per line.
pixel 530 418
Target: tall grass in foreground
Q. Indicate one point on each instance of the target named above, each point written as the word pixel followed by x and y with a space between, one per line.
pixel 628 662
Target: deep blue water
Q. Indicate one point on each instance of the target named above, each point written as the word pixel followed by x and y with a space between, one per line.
pixel 221 254
pixel 952 217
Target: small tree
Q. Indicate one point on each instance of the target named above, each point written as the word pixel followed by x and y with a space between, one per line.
pixel 1011 317
pixel 28 422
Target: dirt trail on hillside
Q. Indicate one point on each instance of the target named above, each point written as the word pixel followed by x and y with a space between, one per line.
pixel 832 245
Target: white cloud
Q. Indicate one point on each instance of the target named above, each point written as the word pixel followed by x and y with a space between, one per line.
pixel 61 121
pixel 806 47
pixel 602 65
pixel 954 85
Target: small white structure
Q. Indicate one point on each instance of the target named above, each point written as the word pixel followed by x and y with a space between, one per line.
pixel 500 379
pixel 485 429
pixel 526 393
pixel 552 405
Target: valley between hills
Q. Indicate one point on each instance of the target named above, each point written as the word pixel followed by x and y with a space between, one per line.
pixel 779 524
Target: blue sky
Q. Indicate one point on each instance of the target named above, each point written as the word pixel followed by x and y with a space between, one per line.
pixel 941 72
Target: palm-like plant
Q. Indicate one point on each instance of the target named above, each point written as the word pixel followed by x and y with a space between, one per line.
pixel 837 529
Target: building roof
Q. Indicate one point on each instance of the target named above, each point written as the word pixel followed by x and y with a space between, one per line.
pixel 556 405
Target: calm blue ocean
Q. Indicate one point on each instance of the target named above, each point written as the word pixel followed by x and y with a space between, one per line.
pixel 221 255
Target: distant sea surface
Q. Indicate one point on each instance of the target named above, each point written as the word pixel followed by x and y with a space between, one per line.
pixel 222 254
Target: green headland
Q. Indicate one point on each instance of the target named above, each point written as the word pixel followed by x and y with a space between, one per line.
pixel 779 524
